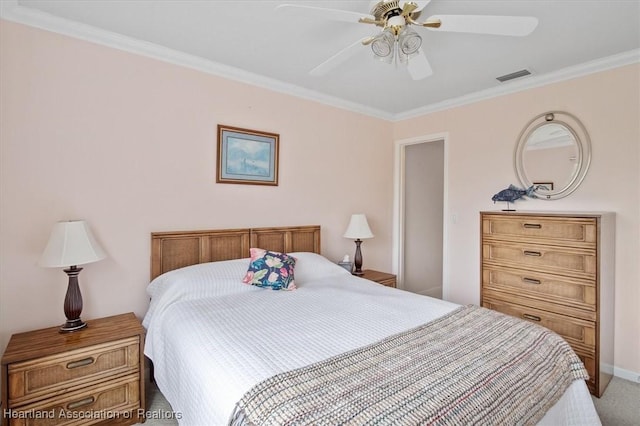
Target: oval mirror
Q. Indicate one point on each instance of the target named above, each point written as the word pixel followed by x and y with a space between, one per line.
pixel 553 154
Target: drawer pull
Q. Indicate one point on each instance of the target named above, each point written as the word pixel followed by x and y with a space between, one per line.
pixel 80 363
pixel 532 253
pixel 81 403
pixel 531 280
pixel 530 317
pixel 532 225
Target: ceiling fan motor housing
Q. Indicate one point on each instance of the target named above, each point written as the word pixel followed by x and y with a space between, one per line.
pixel 385 9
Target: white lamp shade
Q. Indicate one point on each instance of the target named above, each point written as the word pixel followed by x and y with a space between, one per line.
pixel 71 243
pixel 358 228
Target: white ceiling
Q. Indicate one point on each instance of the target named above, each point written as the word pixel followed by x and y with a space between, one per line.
pixel 252 42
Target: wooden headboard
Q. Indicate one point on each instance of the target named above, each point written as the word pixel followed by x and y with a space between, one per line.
pixel 173 250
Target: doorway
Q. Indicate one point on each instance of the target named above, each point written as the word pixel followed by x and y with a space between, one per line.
pixel 419 225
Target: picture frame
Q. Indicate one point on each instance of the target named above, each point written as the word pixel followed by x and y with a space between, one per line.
pixel 547 185
pixel 247 156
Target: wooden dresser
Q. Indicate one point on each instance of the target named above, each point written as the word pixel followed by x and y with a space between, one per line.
pixel 91 376
pixel 557 270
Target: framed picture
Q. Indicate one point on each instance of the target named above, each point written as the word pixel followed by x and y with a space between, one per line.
pixel 247 156
pixel 544 185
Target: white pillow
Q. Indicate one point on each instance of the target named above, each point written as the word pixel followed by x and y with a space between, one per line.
pixel 214 279
pixel 224 278
pixel 311 266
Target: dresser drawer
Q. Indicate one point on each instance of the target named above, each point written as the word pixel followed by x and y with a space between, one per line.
pixel 57 374
pixel 577 332
pixel 545 230
pixel 589 361
pixel 567 291
pixel 114 401
pixel 541 304
pixel 572 262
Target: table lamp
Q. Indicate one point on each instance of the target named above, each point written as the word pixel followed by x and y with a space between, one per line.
pixel 71 244
pixel 358 229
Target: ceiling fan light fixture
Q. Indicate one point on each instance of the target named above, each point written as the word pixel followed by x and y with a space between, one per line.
pixel 402 57
pixel 383 44
pixel 387 59
pixel 409 41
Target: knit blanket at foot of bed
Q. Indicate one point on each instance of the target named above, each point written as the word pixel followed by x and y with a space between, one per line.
pixel 471 366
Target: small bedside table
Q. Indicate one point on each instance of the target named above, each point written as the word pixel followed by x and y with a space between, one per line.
pixel 91 376
pixel 383 278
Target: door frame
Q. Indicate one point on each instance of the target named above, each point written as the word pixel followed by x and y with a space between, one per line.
pixel 397 262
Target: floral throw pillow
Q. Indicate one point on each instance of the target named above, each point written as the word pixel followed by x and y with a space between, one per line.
pixel 270 269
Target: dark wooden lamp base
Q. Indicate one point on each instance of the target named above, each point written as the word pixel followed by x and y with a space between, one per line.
pixel 357 260
pixel 73 303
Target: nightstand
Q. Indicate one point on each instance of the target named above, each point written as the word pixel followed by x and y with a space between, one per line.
pixel 91 376
pixel 383 278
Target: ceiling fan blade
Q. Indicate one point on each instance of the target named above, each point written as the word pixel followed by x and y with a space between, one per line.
pixel 419 66
pixel 420 4
pixel 366 20
pixel 408 8
pixel 298 10
pixel 484 24
pixel 338 58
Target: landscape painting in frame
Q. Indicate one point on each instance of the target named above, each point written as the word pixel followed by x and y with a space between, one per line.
pixel 247 156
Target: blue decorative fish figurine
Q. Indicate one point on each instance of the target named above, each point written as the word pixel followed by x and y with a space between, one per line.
pixel 513 193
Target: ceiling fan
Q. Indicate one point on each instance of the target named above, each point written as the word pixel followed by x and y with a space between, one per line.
pixel 398 42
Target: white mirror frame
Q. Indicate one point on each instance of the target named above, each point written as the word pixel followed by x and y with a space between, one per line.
pixel 578 131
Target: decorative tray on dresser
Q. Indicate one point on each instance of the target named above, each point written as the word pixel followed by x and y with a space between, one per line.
pixel 91 376
pixel 557 270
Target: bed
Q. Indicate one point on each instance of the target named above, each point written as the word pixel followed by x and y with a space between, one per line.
pixel 223 351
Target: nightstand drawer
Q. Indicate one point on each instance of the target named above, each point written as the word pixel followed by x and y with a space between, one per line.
pixel 391 282
pixel 57 374
pixel 114 400
pixel 388 280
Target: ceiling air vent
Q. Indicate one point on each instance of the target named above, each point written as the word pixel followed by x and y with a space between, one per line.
pixel 513 75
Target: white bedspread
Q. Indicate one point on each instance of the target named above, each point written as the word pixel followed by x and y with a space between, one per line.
pixel 211 338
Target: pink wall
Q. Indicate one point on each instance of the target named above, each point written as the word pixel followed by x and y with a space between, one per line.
pixel 128 143
pixel 482 139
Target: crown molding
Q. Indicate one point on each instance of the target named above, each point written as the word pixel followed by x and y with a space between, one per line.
pixel 12 11
pixel 568 73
